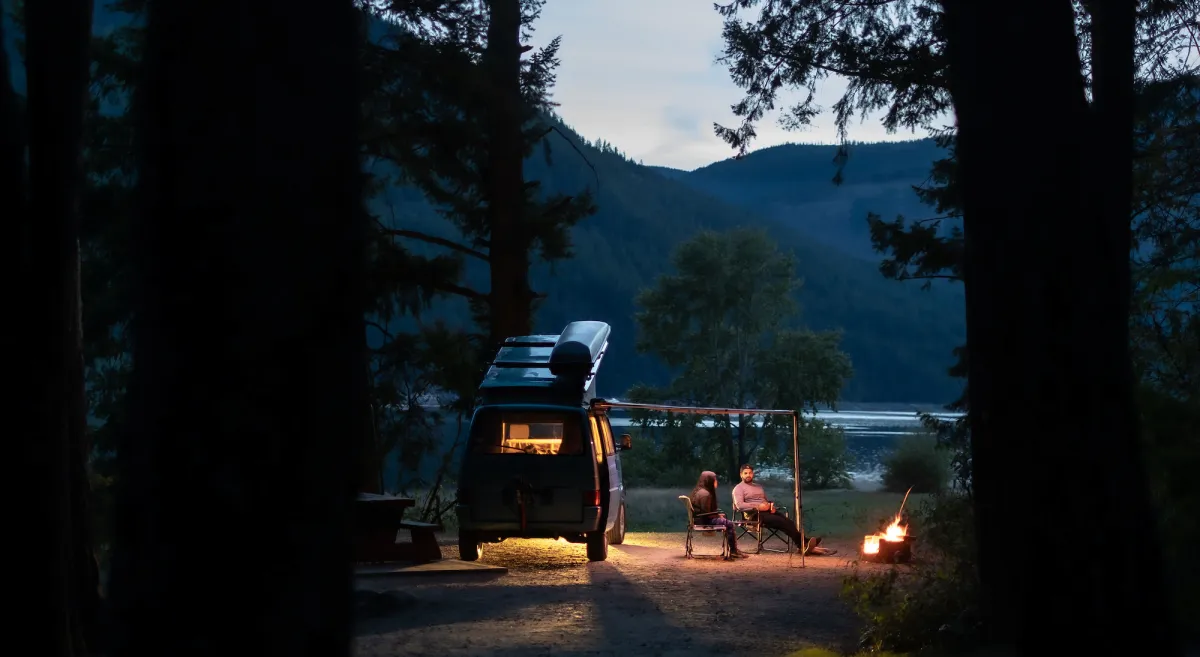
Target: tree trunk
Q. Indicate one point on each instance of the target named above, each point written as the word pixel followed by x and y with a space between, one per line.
pixel 241 464
pixel 371 463
pixel 731 451
pixel 740 456
pixel 1058 482
pixel 58 37
pixel 85 568
pixel 511 299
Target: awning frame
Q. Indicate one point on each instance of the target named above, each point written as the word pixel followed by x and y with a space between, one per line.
pixel 600 404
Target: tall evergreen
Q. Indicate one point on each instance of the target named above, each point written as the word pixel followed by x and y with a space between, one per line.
pixel 247 390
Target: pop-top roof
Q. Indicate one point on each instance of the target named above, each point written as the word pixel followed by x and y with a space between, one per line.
pixel 548 368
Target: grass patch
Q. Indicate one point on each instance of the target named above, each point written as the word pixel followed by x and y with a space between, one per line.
pixel 831 513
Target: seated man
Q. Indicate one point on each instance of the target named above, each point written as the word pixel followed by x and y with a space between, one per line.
pixel 749 496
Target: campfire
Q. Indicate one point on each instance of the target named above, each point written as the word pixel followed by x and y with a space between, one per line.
pixel 893 543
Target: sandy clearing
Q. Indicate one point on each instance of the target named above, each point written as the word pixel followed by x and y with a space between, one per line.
pixel 645 600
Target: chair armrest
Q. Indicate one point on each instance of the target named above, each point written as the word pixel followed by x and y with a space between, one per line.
pixel 709 513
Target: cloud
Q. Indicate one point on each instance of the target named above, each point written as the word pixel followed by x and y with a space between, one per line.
pixel 641 74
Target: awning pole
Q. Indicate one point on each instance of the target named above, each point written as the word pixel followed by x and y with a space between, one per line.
pixel 796 487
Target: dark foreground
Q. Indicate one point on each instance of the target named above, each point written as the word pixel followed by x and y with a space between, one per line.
pixel 645 600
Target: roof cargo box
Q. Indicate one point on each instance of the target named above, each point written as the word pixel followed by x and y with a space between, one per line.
pixel 548 369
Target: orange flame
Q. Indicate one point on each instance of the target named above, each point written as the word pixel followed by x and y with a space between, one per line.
pixel 894 533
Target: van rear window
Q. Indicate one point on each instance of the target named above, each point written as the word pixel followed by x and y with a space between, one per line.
pixel 545 433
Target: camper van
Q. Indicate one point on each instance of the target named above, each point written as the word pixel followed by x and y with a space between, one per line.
pixel 541 460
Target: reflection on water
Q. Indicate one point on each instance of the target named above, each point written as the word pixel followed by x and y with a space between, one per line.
pixel 870 434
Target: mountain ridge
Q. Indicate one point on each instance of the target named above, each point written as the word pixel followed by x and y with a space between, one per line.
pixel 899 337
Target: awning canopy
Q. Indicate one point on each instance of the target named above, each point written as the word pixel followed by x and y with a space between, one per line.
pixel 708 410
pixel 692 410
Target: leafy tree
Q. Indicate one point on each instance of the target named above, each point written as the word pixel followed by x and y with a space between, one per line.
pixel 893 56
pixel 824 458
pixel 894 53
pixel 918 463
pixel 669 450
pixel 720 321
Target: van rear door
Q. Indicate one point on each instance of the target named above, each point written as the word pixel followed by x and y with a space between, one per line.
pixel 536 462
pixel 612 466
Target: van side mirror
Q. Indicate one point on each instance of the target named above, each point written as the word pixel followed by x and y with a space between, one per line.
pixel 626 442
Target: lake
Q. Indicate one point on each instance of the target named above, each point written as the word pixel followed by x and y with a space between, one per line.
pixel 871 431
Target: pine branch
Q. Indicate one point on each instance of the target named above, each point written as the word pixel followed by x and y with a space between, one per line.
pixel 379 327
pixel 571 143
pixel 422 237
pixel 461 291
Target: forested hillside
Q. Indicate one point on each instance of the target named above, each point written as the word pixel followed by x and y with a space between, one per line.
pixel 899 337
pixel 793 184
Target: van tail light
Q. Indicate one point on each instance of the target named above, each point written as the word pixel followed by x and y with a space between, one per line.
pixel 591 498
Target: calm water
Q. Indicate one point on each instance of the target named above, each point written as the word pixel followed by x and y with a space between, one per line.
pixel 871 431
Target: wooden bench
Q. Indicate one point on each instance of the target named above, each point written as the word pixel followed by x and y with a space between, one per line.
pixel 424 543
pixel 378 520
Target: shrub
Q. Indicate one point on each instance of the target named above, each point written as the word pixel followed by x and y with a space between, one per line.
pixel 918 462
pixel 1169 430
pixel 935 602
pixel 645 467
pixel 826 459
pixel 660 463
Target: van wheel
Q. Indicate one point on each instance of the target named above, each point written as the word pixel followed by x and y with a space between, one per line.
pixel 617 535
pixel 597 546
pixel 469 546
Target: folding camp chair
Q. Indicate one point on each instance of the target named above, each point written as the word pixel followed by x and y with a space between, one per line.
pixel 748 523
pixel 693 528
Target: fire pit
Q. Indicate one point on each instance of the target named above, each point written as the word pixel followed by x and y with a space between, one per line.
pixel 882 548
pixel 892 545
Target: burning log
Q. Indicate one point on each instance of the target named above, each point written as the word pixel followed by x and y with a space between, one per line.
pixel 892 545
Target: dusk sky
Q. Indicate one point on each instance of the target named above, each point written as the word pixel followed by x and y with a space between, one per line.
pixel 640 74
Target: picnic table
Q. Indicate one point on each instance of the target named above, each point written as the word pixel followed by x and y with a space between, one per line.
pixel 378 520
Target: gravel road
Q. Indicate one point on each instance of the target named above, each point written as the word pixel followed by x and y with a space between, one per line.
pixel 646 599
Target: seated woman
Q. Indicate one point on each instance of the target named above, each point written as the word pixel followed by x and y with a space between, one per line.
pixel 704 500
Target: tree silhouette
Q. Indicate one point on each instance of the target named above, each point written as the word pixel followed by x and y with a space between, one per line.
pixel 239 464
pixel 43 199
pixel 1050 370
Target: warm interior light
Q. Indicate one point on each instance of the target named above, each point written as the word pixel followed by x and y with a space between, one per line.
pixel 546 440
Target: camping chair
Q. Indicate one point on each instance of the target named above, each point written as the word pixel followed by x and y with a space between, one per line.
pixel 692 528
pixel 748 523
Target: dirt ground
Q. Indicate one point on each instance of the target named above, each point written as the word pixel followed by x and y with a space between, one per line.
pixel 646 599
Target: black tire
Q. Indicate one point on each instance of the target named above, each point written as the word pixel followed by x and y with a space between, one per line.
pixel 617 535
pixel 469 546
pixel 597 546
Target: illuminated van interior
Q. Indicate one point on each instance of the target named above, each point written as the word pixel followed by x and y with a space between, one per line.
pixel 533 438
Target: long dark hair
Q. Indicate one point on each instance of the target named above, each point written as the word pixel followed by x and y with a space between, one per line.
pixel 708 482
